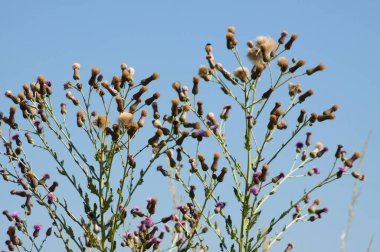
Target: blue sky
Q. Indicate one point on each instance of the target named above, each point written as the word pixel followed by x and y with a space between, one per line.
pixel 169 37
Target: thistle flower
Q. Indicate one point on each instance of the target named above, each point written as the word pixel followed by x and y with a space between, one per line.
pixel 94 72
pixel 282 38
pixel 125 120
pixel 53 186
pixel 147 222
pixel 219 206
pixel 305 95
pixel 63 108
pixel 318 147
pixel 225 113
pixel 254 190
pixel 154 76
pixel 231 38
pixel 80 118
pixel 299 64
pixel 257 70
pixel 151 206
pixel 289 247
pixel 192 192
pixel 278 177
pixel 37 229
pixel 76 75
pixel 301 117
pixel 204 73
pixel 116 83
pixel 223 172
pixel 242 73
pixel 51 198
pixel 358 176
pixel 299 147
pixel 260 52
pixel 101 122
pixel 294 89
pixel 214 166
pixel 283 64
pixel 318 68
pixel 354 157
pixel 313 207
pixel 273 119
pixel 199 107
pixel 313 171
pixel 141 121
pixel 195 89
pixel 154 97
pixel 338 151
pixel 290 42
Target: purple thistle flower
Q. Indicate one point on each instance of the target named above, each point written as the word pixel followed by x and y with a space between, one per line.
pixel 15 215
pixel 37 227
pixel 220 204
pixel 299 145
pixel 15 137
pixel 51 197
pixel 316 170
pixel 148 222
pixel 254 190
pixel 343 168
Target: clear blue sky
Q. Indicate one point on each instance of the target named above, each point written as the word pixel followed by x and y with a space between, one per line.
pixel 169 37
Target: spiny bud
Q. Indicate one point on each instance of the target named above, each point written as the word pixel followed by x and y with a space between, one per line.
pixel 268 93
pixel 116 83
pixel 94 72
pixel 154 97
pixel 223 172
pixel 132 129
pixel 282 38
pixel 80 118
pixel 354 157
pixel 76 68
pixel 318 147
pixel 299 64
pixel 154 76
pixel 272 122
pixel 214 166
pixel 195 89
pixel 322 118
pixel 137 95
pixel 231 38
pixel 333 109
pixel 289 44
pixel 192 192
pixel 311 71
pixel 301 117
pixel 305 95
pixel 141 121
pixel 314 206
pixel 200 108
pixel 120 103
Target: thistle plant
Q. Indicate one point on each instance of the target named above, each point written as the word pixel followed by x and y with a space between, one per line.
pixel 129 137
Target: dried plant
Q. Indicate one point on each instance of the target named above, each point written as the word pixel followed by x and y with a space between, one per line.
pixel 111 118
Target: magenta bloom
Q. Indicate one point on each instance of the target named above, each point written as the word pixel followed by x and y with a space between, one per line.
pixel 254 190
pixel 148 222
pixel 37 227
pixel 220 204
pixel 343 168
pixel 316 170
pixel 51 198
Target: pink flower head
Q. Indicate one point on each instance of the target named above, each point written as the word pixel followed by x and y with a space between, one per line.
pixel 316 170
pixel 37 227
pixel 148 222
pixel 254 190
